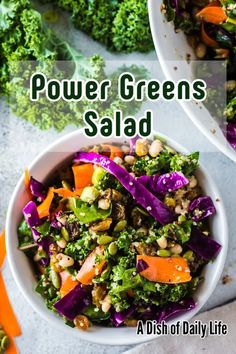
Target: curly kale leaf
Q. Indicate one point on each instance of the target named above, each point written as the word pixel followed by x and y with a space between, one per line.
pixel 186 164
pixel 25 236
pixel 180 232
pixel 149 166
pixel 81 248
pixel 122 25
pixel 125 238
pixel 131 30
pixel 46 289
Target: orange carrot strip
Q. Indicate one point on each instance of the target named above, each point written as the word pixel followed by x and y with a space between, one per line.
pixel 66 193
pixel 27 178
pixel 207 39
pixel 90 267
pixel 115 151
pixel 67 283
pixel 2 248
pixel 27 183
pixel 44 207
pixel 11 349
pixel 212 14
pixel 171 270
pixel 7 316
pixel 82 175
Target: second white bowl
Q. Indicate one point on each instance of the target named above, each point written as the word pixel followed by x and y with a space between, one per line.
pixel 171 49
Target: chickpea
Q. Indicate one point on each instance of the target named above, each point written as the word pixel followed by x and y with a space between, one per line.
pixel 141 147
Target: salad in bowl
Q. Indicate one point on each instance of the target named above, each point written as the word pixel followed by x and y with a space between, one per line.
pixel 119 233
pixel 210 27
pixel 196 39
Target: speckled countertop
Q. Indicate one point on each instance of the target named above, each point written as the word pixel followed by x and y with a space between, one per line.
pixel 21 142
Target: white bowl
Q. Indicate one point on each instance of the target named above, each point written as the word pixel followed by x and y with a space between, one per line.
pixel 171 49
pixel 24 275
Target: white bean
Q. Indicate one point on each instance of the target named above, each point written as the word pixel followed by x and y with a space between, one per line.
pixel 155 148
pixel 193 182
pixel 125 149
pixel 65 261
pixel 118 160
pixel 62 243
pixel 162 242
pixel 130 160
pixel 176 249
pixel 104 203
pixel 106 303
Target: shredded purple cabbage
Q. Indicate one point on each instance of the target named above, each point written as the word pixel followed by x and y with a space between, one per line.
pixel 118 318
pixel 31 216
pixel 231 134
pixel 141 265
pixel 132 144
pixel 175 4
pixel 73 303
pixel 201 208
pixel 174 309
pixel 203 245
pixel 45 243
pixel 161 184
pixel 146 199
pixel 56 224
pixel 170 182
pixel 37 189
pixel 150 182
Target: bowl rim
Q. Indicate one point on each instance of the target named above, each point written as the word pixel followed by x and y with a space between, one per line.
pixel 88 336
pixel 225 148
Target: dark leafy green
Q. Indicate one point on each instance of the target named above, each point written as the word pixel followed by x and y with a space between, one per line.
pixel 87 213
